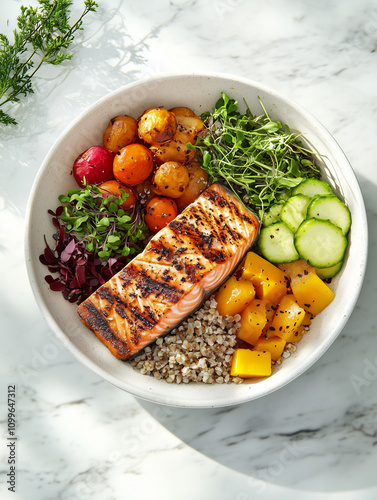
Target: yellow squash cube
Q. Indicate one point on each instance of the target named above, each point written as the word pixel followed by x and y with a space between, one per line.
pixel 253 320
pixel 270 313
pixel 248 364
pixel 298 268
pixel 269 281
pixel 311 293
pixel 274 345
pixel 234 295
pixel 298 334
pixel 288 318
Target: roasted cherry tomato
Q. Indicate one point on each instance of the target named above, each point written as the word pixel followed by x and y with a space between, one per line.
pixel 113 188
pixel 133 164
pixel 159 212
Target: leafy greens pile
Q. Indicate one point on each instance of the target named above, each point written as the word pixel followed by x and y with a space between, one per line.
pixel 95 239
pixel 259 159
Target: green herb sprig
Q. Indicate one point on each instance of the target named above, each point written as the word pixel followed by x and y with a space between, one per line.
pixel 43 36
pixel 101 223
pixel 258 158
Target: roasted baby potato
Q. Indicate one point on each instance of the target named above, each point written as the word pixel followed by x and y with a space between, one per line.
pixel 157 125
pixel 170 179
pixel 188 127
pixel 121 131
pixel 198 179
pixel 182 111
pixel 145 191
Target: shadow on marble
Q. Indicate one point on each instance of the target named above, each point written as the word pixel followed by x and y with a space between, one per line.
pixel 61 94
pixel 83 80
pixel 319 433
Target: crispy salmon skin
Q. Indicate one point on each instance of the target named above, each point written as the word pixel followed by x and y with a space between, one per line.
pixel 181 265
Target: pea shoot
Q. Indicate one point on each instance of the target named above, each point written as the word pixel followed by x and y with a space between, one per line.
pixel 95 239
pixel 101 223
pixel 258 158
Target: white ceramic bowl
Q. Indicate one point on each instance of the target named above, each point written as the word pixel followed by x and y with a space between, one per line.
pixel 199 92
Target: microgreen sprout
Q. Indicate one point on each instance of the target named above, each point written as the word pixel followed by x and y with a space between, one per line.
pixel 258 158
pixel 95 238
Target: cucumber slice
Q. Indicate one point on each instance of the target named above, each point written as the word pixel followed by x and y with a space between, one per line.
pixel 294 211
pixel 283 197
pixel 276 243
pixel 329 272
pixel 320 243
pixel 312 187
pixel 273 214
pixel 332 209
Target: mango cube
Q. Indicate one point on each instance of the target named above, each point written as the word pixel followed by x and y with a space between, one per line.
pixel 270 313
pixel 296 269
pixel 311 293
pixel 234 295
pixel 288 318
pixel 269 281
pixel 298 334
pixel 248 364
pixel 274 345
pixel 253 320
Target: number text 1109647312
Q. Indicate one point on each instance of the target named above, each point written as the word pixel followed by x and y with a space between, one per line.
pixel 11 439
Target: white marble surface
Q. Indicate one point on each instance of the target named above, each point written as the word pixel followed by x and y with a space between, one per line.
pixel 79 437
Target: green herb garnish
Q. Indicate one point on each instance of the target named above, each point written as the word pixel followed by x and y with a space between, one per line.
pixel 44 33
pixel 101 223
pixel 258 158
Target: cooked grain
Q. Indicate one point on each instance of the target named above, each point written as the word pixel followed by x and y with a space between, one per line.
pixel 199 350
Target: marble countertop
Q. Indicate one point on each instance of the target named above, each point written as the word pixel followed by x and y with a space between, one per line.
pixel 78 436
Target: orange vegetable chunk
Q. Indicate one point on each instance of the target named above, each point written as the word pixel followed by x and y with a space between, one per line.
pixel 288 317
pixel 248 364
pixel 234 295
pixel 274 345
pixel 298 334
pixel 311 293
pixel 269 281
pixel 270 313
pixel 253 320
pixel 297 268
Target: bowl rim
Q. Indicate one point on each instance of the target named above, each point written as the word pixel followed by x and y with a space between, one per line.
pixel 84 359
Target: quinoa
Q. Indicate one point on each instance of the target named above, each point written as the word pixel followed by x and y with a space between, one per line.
pixel 199 350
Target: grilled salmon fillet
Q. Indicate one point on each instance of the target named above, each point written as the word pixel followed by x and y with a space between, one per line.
pixel 181 265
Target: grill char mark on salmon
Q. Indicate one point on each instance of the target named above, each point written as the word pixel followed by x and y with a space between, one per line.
pixel 181 265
